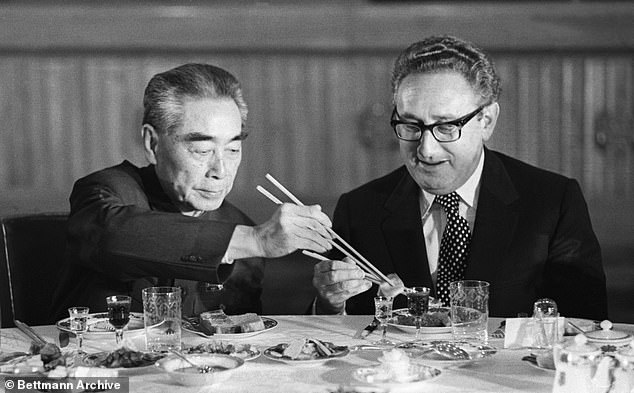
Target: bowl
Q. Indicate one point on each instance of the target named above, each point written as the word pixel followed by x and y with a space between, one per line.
pixel 176 368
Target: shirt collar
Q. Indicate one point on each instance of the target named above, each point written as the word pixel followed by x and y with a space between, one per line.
pixel 467 192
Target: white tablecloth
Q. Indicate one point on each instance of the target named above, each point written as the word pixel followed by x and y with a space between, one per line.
pixel 503 372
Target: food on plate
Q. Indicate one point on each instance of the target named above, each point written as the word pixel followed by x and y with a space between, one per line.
pixel 122 357
pixel 396 364
pixel 40 359
pixel 243 351
pixel 217 322
pixel 306 349
pixel 435 317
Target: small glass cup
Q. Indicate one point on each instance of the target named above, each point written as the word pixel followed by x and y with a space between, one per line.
pixel 211 297
pixel 418 305
pixel 383 313
pixel 546 319
pixel 77 321
pixel 119 314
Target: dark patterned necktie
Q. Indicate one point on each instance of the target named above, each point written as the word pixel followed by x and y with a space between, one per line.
pixel 454 246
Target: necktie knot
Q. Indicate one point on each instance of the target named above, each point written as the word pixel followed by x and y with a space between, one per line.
pixel 448 201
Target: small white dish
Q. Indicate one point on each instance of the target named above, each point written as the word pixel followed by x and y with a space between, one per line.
pixel 377 376
pixel 180 371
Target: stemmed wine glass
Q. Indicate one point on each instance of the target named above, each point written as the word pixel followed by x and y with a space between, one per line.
pixel 118 314
pixel 418 304
pixel 77 322
pixel 383 313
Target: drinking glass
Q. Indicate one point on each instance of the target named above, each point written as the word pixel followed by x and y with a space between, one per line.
pixel 418 304
pixel 469 301
pixel 383 313
pixel 211 297
pixel 77 321
pixel 118 314
pixel 162 318
pixel 546 318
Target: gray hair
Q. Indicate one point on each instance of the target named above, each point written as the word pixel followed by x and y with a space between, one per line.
pixel 446 53
pixel 166 92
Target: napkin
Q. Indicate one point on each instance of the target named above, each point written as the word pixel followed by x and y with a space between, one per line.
pixel 524 332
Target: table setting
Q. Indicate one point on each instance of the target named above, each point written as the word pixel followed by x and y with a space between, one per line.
pixel 427 346
pixel 503 371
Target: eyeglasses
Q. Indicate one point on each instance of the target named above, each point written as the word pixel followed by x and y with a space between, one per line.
pixel 448 131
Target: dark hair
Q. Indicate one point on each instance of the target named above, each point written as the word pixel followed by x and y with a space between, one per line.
pixel 166 92
pixel 442 53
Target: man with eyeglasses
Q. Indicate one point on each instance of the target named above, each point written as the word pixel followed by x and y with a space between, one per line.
pixel 457 210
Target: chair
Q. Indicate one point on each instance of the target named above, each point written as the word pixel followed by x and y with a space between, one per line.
pixel 33 248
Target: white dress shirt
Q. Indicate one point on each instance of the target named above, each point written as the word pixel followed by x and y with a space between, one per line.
pixel 434 218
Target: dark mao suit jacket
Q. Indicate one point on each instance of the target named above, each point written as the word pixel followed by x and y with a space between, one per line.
pixel 124 234
pixel 532 238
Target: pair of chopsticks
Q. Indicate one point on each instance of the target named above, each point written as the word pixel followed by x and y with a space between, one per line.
pixel 29 332
pixel 373 274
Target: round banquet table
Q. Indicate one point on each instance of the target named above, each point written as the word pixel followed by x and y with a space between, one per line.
pixel 503 372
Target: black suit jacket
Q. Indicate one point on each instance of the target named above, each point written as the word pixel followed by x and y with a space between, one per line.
pixel 124 234
pixel 532 238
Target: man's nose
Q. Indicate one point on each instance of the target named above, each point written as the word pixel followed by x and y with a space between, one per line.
pixel 428 145
pixel 216 167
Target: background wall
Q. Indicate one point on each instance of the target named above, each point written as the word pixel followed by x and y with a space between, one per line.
pixel 316 77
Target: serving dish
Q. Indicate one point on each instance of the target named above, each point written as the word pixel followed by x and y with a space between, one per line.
pixel 412 328
pixel 192 325
pixel 276 353
pixel 422 352
pixel 245 352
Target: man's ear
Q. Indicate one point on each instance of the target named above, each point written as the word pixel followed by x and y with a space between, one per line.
pixel 150 142
pixel 489 119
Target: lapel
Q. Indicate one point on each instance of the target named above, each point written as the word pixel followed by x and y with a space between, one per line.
pixel 403 233
pixel 495 223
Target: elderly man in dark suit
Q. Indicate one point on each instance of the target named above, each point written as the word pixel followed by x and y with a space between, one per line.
pixel 457 210
pixel 168 224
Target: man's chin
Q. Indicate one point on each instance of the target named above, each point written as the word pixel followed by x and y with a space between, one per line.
pixel 207 204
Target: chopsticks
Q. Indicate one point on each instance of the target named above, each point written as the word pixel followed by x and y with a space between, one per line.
pixel 363 263
pixel 29 332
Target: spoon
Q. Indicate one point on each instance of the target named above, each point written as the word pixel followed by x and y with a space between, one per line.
pixel 201 369
pixel 444 349
pixel 577 328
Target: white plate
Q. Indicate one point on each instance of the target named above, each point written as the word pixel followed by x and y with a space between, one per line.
pixel 98 325
pixel 418 373
pixel 28 367
pixel 245 352
pixel 191 326
pixel 587 325
pixel 271 352
pixel 421 353
pixel 412 328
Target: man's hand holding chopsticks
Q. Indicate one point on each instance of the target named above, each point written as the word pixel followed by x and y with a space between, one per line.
pixel 291 227
pixel 336 282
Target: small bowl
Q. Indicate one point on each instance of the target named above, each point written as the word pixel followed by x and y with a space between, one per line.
pixel 174 367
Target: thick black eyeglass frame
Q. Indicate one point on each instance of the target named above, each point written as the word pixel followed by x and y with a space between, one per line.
pixel 460 122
